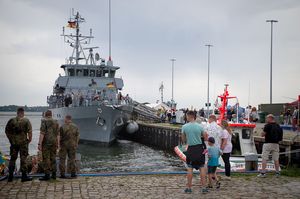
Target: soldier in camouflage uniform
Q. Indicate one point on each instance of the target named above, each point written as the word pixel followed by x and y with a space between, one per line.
pixel 19 133
pixel 69 138
pixel 48 143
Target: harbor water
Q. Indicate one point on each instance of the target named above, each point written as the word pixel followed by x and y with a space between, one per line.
pixel 122 156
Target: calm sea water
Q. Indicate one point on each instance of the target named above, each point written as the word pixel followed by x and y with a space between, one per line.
pixel 123 156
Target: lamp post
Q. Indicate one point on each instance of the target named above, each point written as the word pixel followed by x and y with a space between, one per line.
pixel 172 100
pixel 208 68
pixel 271 56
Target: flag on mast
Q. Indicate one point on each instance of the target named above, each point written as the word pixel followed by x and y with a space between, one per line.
pixel 71 24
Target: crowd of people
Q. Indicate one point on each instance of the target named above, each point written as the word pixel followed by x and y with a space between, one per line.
pixel 234 114
pixel 207 142
pixel 87 98
pixel 289 117
pixel 213 140
pixel 52 140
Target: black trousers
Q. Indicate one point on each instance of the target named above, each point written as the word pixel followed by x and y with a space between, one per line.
pixel 225 158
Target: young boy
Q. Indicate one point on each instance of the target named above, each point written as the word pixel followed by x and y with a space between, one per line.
pixel 214 153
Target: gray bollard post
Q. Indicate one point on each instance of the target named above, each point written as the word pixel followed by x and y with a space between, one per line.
pixel 251 162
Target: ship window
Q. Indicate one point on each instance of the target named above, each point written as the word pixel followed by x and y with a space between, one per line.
pixel 112 73
pixel 71 72
pixel 105 73
pixel 98 73
pixel 92 73
pixel 85 72
pixel 246 133
pixel 79 72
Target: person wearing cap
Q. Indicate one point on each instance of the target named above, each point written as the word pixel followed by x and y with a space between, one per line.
pixel 273 135
pixel 214 153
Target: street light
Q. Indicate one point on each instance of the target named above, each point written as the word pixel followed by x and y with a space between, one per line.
pixel 271 21
pixel 208 67
pixel 172 100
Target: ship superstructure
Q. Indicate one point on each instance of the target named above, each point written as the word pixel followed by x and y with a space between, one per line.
pixel 89 90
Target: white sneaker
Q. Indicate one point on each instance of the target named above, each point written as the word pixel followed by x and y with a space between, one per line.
pixel 261 175
pixel 228 178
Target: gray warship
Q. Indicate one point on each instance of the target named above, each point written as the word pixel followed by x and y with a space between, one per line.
pixel 89 90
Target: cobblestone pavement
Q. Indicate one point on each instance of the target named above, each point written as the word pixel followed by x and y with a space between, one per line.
pixel 150 186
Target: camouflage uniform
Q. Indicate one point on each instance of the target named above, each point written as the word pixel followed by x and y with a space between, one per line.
pixel 16 131
pixel 50 129
pixel 69 135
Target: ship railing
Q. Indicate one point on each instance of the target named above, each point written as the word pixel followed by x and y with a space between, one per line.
pixel 57 101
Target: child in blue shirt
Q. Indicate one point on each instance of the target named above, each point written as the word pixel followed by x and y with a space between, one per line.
pixel 214 153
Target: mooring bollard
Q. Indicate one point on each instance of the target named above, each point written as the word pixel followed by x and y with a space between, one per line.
pixel 251 162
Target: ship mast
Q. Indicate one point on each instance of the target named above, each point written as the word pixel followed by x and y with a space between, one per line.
pixel 77 38
pixel 224 99
pixel 109 62
pixel 76 41
pixel 109 22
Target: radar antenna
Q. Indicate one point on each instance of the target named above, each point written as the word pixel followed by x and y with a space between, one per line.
pixel 91 57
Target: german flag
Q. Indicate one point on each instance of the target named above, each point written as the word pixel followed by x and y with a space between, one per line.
pixel 110 85
pixel 71 24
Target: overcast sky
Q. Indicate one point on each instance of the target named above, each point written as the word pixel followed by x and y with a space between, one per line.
pixel 145 35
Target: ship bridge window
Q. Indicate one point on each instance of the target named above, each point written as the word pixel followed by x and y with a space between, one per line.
pixel 71 72
pixel 92 73
pixel 112 73
pixel 105 73
pixel 98 73
pixel 79 72
pixel 85 72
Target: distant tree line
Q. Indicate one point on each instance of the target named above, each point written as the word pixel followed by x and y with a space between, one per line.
pixel 13 108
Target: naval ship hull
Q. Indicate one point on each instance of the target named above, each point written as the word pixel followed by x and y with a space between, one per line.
pixel 97 124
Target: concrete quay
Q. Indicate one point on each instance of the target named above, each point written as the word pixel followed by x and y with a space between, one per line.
pixel 150 186
pixel 166 136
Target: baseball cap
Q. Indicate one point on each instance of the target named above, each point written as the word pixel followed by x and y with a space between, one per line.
pixel 211 140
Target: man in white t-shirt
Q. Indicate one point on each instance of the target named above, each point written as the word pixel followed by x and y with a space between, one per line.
pixel 214 130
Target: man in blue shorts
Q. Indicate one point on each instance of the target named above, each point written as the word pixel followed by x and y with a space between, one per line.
pixel 195 158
